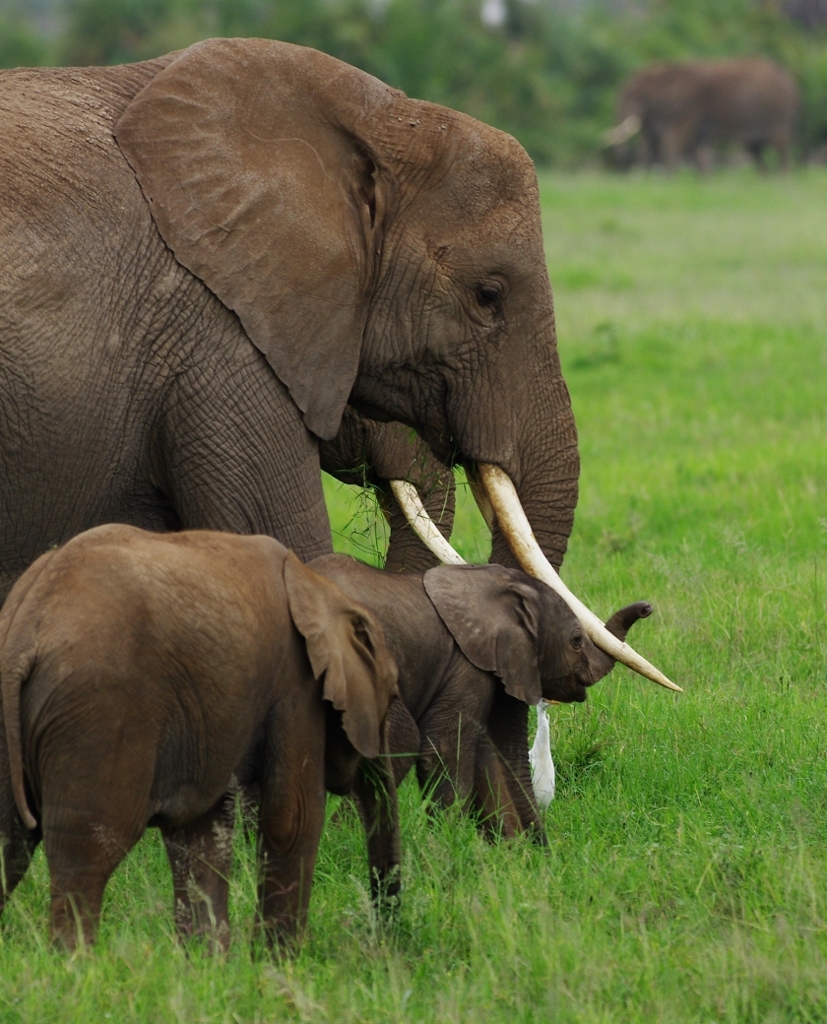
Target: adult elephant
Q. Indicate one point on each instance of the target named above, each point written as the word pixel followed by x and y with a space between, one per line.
pixel 207 256
pixel 672 110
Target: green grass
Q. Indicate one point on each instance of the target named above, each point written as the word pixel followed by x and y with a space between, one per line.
pixel 686 879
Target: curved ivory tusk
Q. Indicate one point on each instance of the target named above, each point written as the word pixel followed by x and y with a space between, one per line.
pixel 622 132
pixel 517 531
pixel 422 524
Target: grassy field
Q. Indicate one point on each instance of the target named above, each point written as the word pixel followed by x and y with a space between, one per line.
pixel 686 879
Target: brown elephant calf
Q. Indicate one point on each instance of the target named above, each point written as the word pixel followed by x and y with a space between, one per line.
pixel 475 645
pixel 144 677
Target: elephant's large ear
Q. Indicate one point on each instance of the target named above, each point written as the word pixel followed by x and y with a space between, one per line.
pixel 492 613
pixel 345 644
pixel 252 158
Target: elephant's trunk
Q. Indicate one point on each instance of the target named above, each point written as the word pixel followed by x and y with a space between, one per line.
pixel 548 498
pixel 421 523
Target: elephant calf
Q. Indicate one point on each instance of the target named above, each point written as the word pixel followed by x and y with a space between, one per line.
pixel 475 645
pixel 144 677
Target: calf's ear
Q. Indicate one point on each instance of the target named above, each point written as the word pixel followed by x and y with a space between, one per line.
pixel 345 645
pixel 492 613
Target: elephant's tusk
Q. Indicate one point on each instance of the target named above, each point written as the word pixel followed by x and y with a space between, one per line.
pixel 517 531
pixel 622 132
pixel 422 524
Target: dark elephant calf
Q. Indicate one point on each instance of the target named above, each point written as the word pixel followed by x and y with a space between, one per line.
pixel 475 645
pixel 144 677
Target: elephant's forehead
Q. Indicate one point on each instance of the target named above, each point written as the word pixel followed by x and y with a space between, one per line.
pixel 494 173
pixel 505 238
pixel 453 154
pixel 487 201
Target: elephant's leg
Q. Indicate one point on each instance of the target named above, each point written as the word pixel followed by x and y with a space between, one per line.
pixel 508 734
pixel 95 780
pixel 492 795
pixel 236 455
pixel 672 142
pixel 82 850
pixel 200 855
pixel 291 816
pixel 17 843
pixel 783 146
pixel 403 745
pixel 449 732
pixel 376 799
pixel 403 740
pixel 447 755
pixel 652 149
pixel 756 147
pixel 17 846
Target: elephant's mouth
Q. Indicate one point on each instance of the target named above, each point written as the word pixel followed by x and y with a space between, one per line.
pixel 497 498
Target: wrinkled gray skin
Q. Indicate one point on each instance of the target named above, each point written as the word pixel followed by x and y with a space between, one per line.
pixel 365 452
pixel 475 645
pixel 207 256
pixel 685 107
pixel 145 678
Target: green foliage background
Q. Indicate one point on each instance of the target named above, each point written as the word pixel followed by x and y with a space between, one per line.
pixel 549 74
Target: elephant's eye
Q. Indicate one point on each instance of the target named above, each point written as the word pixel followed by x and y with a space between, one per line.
pixel 489 295
pixel 577 640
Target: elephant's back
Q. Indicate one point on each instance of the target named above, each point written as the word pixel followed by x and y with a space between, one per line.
pixel 750 98
pixel 168 617
pixel 70 206
pixel 56 125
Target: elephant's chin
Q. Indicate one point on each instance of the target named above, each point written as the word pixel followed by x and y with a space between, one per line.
pixel 569 691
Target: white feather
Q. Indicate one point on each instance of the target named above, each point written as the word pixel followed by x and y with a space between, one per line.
pixel 542 766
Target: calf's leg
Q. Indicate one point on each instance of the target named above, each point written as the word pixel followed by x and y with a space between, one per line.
pixel 290 817
pixel 492 802
pixel 17 843
pixel 95 782
pixel 83 850
pixel 200 854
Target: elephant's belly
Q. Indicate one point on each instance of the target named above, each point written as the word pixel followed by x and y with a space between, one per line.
pixel 187 804
pixel 186 786
pixel 42 511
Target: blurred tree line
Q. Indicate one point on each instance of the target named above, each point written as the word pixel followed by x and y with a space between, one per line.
pixel 547 71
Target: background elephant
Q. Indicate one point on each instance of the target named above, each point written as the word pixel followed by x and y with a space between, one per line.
pixel 144 677
pixel 475 646
pixel 670 111
pixel 206 256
